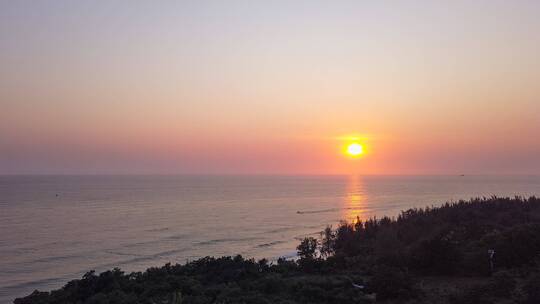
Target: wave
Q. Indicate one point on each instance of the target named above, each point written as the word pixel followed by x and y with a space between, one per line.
pixel 270 244
pixel 59 280
pixel 326 210
pixel 217 241
pixel 285 255
pixel 276 230
pixel 141 258
pixel 113 252
pixel 156 241
pixel 51 259
pixel 157 229
pixel 55 281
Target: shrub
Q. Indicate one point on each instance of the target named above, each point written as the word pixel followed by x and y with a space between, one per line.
pixel 392 283
pixel 516 246
pixel 36 297
pixel 502 284
pixel 435 256
pixel 531 288
pixel 472 295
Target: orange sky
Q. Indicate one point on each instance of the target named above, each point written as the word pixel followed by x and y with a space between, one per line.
pixel 255 88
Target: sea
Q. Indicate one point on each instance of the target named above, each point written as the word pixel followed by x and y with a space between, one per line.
pixel 56 228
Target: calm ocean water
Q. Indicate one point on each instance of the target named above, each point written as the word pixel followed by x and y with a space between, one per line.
pixel 56 228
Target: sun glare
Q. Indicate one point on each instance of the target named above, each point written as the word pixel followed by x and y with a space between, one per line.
pixel 355 149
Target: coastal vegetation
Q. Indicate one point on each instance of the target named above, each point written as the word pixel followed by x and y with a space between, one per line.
pixel 485 250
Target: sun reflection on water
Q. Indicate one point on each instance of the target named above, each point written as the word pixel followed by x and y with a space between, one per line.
pixel 355 199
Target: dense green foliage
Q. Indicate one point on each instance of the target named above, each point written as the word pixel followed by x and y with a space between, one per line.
pixel 437 254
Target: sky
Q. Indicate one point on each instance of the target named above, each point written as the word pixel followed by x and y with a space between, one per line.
pixel 269 87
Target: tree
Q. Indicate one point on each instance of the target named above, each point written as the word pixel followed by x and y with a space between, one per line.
pixel 307 248
pixel 328 240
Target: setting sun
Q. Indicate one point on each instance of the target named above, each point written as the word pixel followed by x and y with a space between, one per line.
pixel 355 149
pixel 343 133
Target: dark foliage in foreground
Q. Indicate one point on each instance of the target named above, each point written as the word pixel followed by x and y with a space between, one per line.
pixel 437 254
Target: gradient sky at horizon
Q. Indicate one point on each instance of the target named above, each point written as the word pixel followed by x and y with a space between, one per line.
pixel 226 87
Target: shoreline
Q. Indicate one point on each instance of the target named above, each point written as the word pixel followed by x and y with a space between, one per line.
pixel 521 218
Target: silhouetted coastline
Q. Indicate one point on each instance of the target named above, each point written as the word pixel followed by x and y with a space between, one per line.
pixel 484 250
